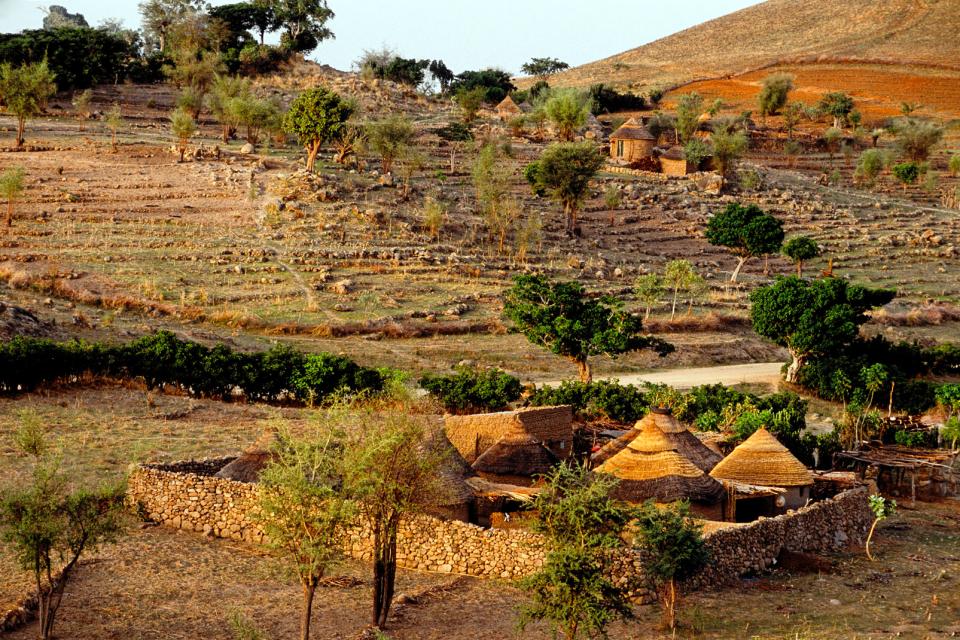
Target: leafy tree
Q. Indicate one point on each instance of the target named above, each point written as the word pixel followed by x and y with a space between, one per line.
pixel 393 466
pixel 114 120
pixel 254 114
pixel 183 127
pixel 746 232
pixel 470 101
pixel 838 105
pixel 882 509
pixel 491 179
pixel 813 318
pixel 800 249
pixel 223 89
pixel 907 173
pixel 648 289
pixel 560 317
pixel 241 16
pixel 389 138
pixel 542 68
pixel 870 165
pixel 50 525
pixel 605 99
pixel 25 91
pixel 158 17
pixel 671 543
pixel 567 110
pixel 11 186
pixel 728 147
pixel 304 23
pixel 315 117
pixel 564 172
pixel 680 276
pixel 696 151
pixel 302 509
pixel 191 101
pixel 689 110
pixel 442 74
pixel 915 139
pixel 791 117
pixel 584 527
pixel 81 104
pixel 496 84
pixel 774 93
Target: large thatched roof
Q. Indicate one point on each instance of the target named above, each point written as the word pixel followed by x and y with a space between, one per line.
pixel 472 435
pixel 516 457
pixel 762 460
pixel 688 445
pixel 651 467
pixel 632 130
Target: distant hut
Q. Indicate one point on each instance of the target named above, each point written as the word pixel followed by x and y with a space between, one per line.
pixel 631 142
pixel 247 466
pixel 688 445
pixel 673 162
pixel 650 467
pixel 763 478
pixel 516 461
pixel 508 109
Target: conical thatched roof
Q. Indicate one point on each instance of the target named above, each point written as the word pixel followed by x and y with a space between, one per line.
pixel 632 130
pixel 762 460
pixel 516 457
pixel 454 472
pixel 651 467
pixel 507 105
pixel 687 444
pixel 247 467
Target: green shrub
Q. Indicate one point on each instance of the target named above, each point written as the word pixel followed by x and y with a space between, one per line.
pixel 870 165
pixel 907 172
pixel 600 399
pixel 954 165
pixel 919 439
pixel 472 390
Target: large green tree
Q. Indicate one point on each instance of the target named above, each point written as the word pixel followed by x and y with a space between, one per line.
pixel 584 527
pixel 567 110
pixel 800 249
pixel 746 232
pixel 316 116
pixel 561 317
pixel 25 91
pixel 774 93
pixel 564 172
pixel 304 23
pixel 543 67
pixel 838 105
pixel 159 17
pixel 810 319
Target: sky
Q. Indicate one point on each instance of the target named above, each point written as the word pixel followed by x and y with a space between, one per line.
pixel 466 34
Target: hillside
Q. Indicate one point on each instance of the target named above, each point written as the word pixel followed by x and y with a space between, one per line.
pixel 893 32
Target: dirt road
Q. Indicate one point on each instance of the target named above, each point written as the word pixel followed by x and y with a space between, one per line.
pixel 755 373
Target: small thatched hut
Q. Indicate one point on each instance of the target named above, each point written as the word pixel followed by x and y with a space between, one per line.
pixel 761 461
pixel 688 445
pixel 550 426
pixel 508 109
pixel 673 162
pixel 631 142
pixel 516 461
pixel 650 467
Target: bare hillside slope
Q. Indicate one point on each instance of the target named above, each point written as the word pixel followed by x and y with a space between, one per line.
pixel 898 32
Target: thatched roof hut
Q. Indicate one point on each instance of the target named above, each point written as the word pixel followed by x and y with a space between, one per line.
pixel 551 426
pixel 631 142
pixel 651 467
pixel 762 460
pixel 515 461
pixel 248 465
pixel 687 444
pixel 508 109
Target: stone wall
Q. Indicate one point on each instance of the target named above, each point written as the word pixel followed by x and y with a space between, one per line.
pixel 214 506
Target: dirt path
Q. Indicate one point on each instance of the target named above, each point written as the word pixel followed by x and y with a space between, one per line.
pixel 754 373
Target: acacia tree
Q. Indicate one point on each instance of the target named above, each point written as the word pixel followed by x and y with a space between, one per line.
pixel 560 317
pixel 50 525
pixel 689 110
pixel 304 23
pixel 567 110
pixel 392 470
pixel 389 138
pixel 542 68
pixel 672 546
pixel 25 91
pixel 681 276
pixel 301 508
pixel 564 172
pixel 183 127
pixel 838 105
pixel 746 232
pixel 812 318
pixel 800 249
pixel 316 116
pixel 11 186
pixel 584 528
pixel 774 93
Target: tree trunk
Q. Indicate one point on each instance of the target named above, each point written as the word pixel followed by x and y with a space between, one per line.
pixel 673 308
pixel 226 133
pixel 670 604
pixel 794 369
pixel 384 571
pixel 10 212
pixel 766 265
pixel 736 272
pixel 870 536
pixel 312 152
pixel 183 150
pixel 568 212
pixel 308 591
pixel 799 268
pixel 586 372
pixel 21 123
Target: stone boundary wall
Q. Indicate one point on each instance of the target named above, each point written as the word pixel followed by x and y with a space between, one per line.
pixel 199 502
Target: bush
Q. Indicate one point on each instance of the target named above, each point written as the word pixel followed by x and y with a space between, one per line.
pixel 602 399
pixel 954 165
pixel 607 100
pixel 472 390
pixel 870 165
pixel 494 84
pixel 907 172
pixel 209 372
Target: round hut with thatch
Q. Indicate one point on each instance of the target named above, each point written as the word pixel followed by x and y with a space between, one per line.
pixel 631 142
pixel 688 445
pixel 650 467
pixel 761 461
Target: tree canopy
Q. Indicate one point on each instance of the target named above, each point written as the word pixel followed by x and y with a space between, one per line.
pixel 836 104
pixel 567 110
pixel 25 91
pixel 746 231
pixel 813 318
pixel 800 249
pixel 315 117
pixel 564 172
pixel 774 93
pixel 543 67
pixel 562 318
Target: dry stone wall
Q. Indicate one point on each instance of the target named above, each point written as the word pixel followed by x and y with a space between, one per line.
pixel 187 496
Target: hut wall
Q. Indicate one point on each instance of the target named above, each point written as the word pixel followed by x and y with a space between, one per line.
pixel 199 502
pixel 674 167
pixel 633 150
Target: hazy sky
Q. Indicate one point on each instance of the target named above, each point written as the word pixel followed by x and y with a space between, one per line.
pixel 467 34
